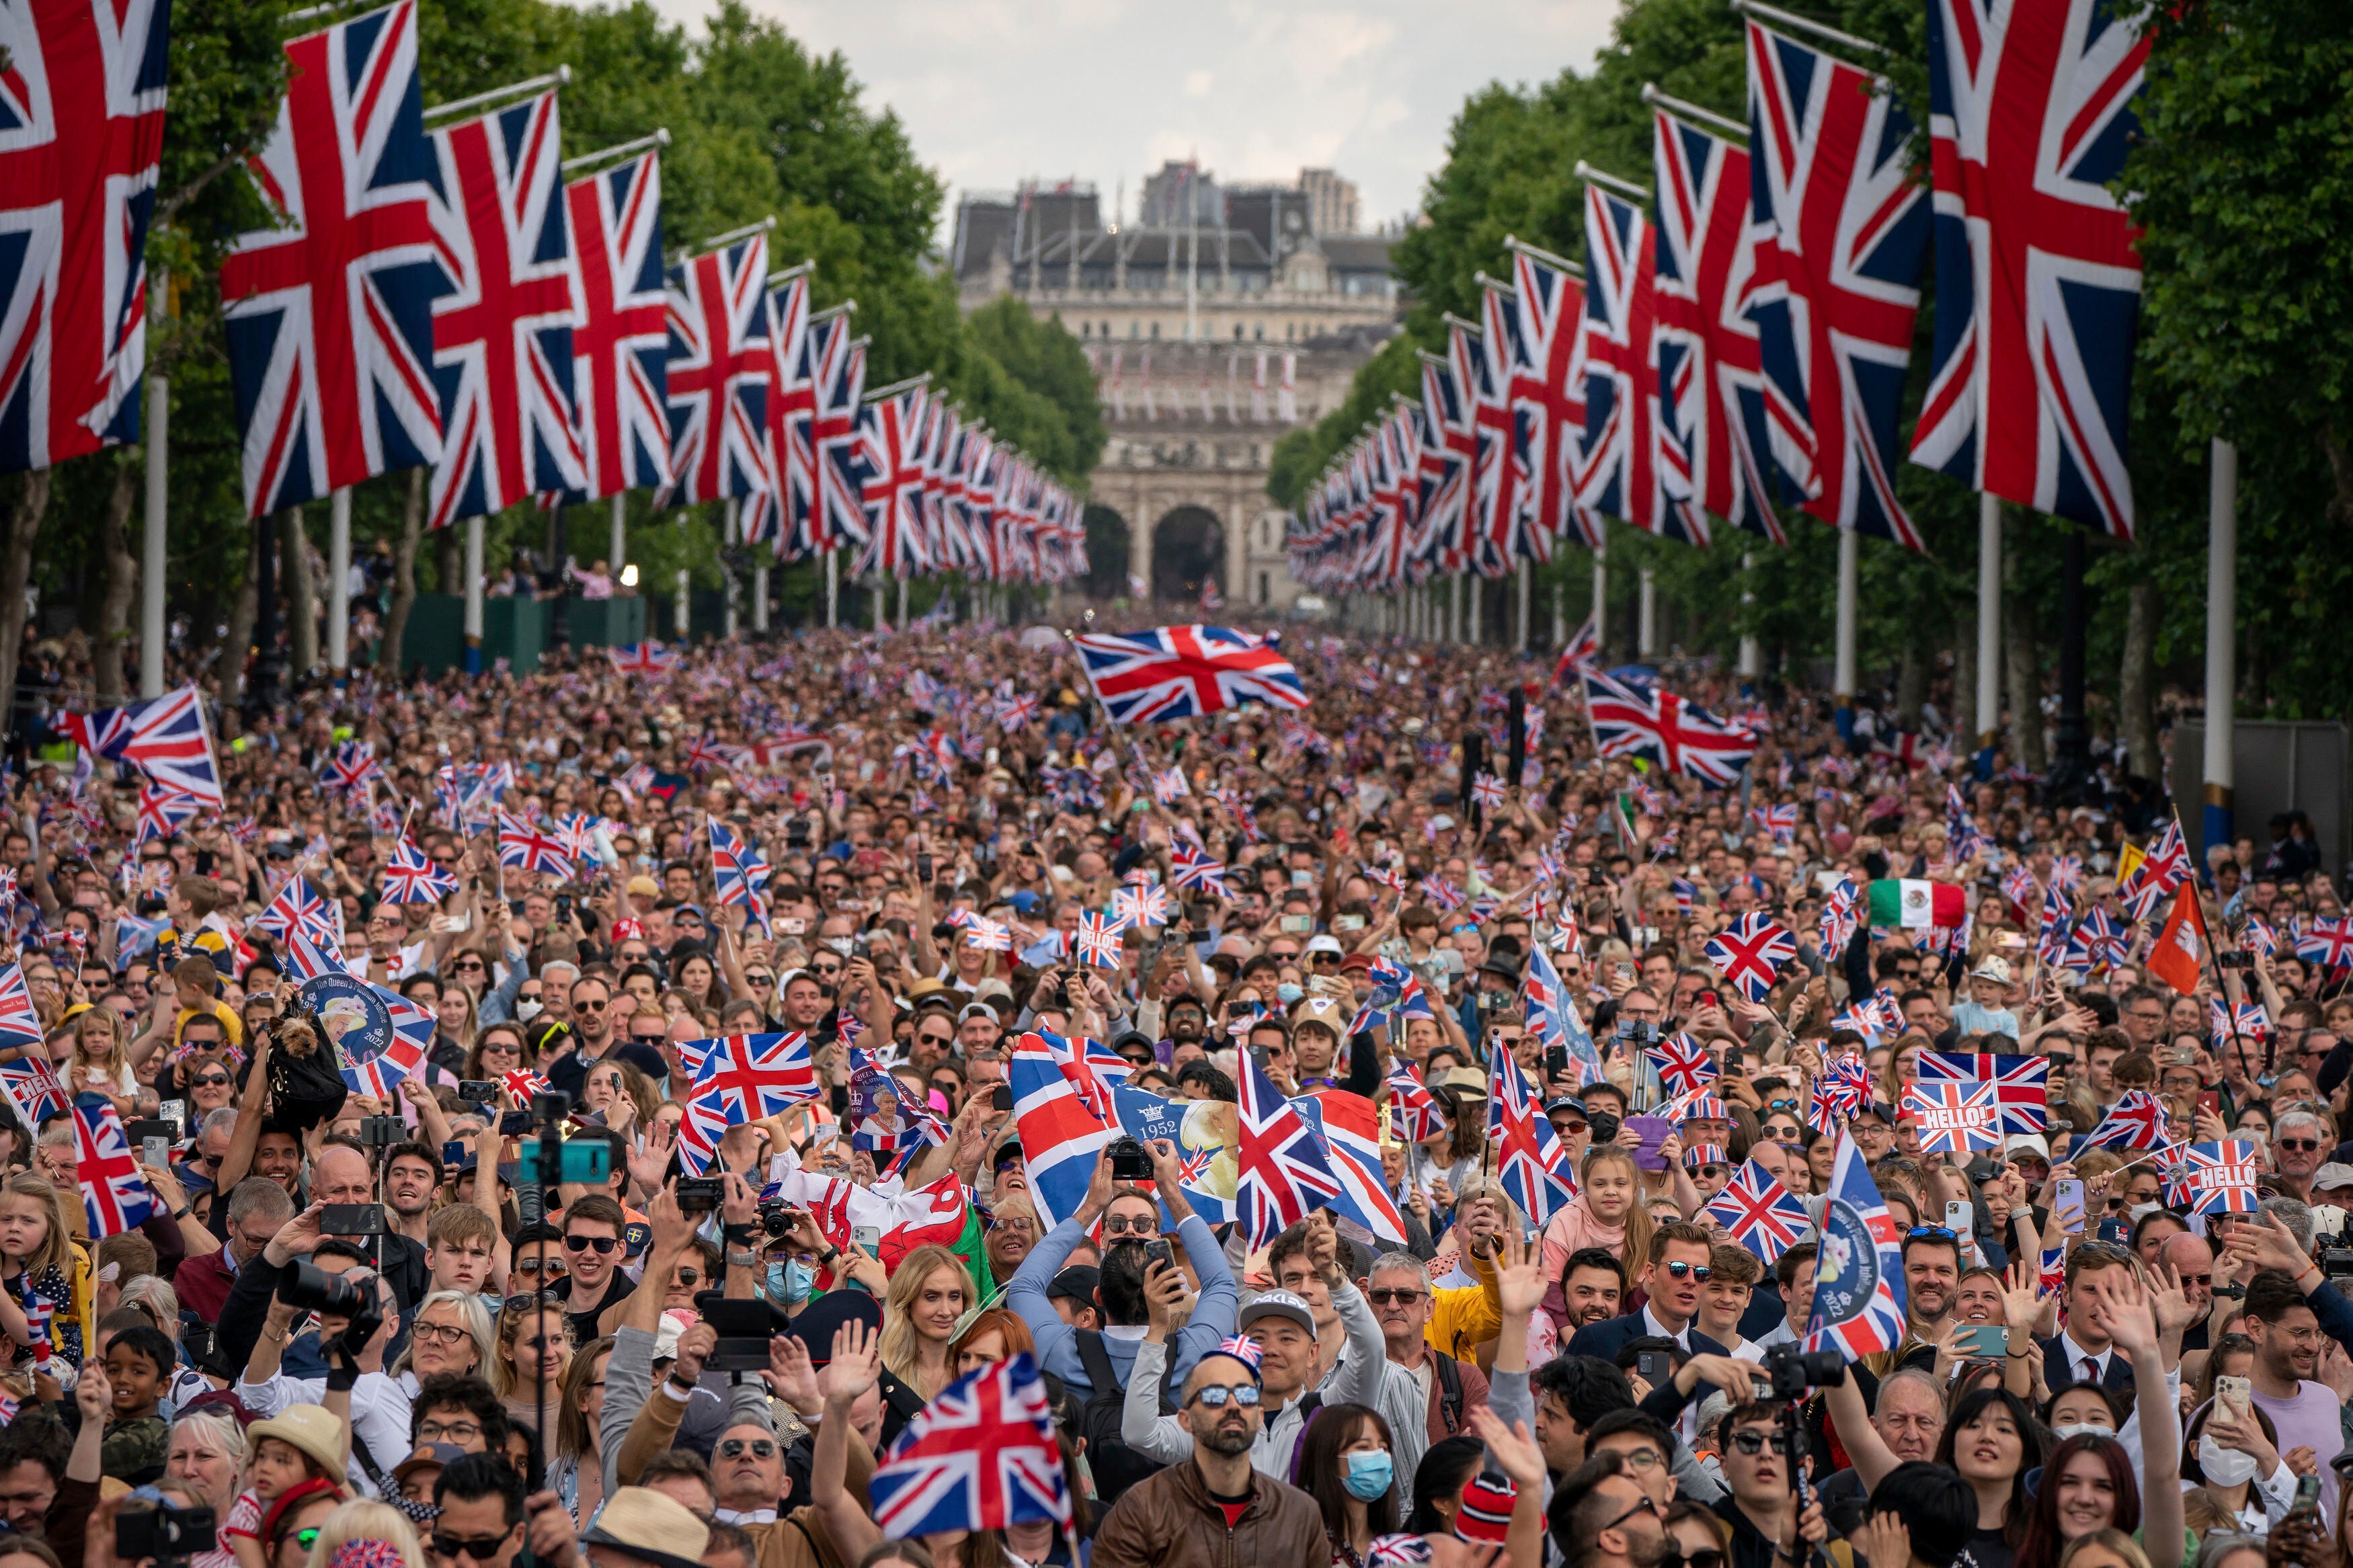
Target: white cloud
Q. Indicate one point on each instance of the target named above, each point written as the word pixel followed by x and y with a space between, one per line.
pixel 996 90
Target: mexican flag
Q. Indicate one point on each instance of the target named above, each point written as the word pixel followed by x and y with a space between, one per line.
pixel 1915 906
pixel 939 1214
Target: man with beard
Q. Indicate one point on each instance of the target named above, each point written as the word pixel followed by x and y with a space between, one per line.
pixel 412 1174
pixel 1592 1286
pixel 1186 1515
pixel 1932 1272
pixel 1188 1021
pixel 1602 1518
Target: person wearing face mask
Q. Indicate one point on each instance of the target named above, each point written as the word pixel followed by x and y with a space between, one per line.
pixel 2232 1473
pixel 1345 1464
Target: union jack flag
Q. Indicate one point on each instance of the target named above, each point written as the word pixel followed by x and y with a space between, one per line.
pixel 81 126
pixel 1487 792
pixel 1183 672
pixel 1841 915
pixel 643 659
pixel 1683 1065
pixel 351 766
pixel 1015 714
pixel 1582 649
pixel 114 1195
pixel 718 373
pixel 503 333
pixel 2247 1020
pixel 840 360
pixel 1619 472
pixel 1842 229
pixel 1414 1116
pixel 31 1081
pixel 1500 496
pixel 2257 937
pixel 412 1037
pixel 1962 838
pixel 2213 1178
pixel 741 1079
pixel 779 516
pixel 1680 736
pixel 299 906
pixel 892 495
pixel 1552 1015
pixel 1140 906
pixel 524 844
pixel 620 336
pixel 1759 1213
pixel 2160 871
pixel 2038 285
pixel 1727 432
pixel 989 936
pixel 1097 941
pixel 330 315
pixel 981 1455
pixel 524 1086
pixel 2326 942
pixel 2056 920
pixel 165 738
pixel 2137 1121
pixel 1548 395
pixel 2102 942
pixel 1285 1168
pixel 1862 1262
pixel 1779 822
pixel 162 812
pixel 1440 894
pixel 1532 1164
pixel 1955 1118
pixel 1750 952
pixel 1839 1095
pixel 2019 1083
pixel 742 877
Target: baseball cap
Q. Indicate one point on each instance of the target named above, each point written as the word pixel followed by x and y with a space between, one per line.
pixel 2034 1143
pixel 1077 1283
pixel 2332 1174
pixel 1277 1304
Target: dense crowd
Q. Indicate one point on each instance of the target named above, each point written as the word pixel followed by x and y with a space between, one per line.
pixel 362 1330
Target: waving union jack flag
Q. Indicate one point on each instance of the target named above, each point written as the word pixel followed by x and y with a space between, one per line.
pixel 1549 392
pixel 981 1455
pixel 1680 736
pixel 740 875
pixel 2160 871
pixel 2215 1177
pixel 1839 1095
pixel 1759 1213
pixel 2038 285
pixel 1862 1311
pixel 114 1195
pixel 620 339
pixel 1414 1116
pixel 165 738
pixel 299 906
pixel 1618 465
pixel 162 812
pixel 2326 942
pixel 1097 941
pixel 2137 1121
pixel 1842 914
pixel 1532 1164
pixel 1683 1065
pixel 31 1081
pixel 892 496
pixel 1750 952
pixel 81 125
pixel 522 844
pixel 779 516
pixel 330 316
pixel 2019 1083
pixel 1285 1168
pixel 1552 1015
pixel 1182 672
pixel 643 659
pixel 718 367
pixel 1954 1118
pixel 741 1079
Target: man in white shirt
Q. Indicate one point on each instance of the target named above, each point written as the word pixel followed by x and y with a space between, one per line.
pixel 1795 1270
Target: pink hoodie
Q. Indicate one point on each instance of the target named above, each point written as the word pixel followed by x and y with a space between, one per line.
pixel 1571 1230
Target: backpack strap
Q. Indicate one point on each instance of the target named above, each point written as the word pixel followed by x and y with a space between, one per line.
pixel 1097 1360
pixel 1450 1392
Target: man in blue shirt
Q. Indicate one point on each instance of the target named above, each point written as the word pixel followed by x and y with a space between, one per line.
pixel 1130 1219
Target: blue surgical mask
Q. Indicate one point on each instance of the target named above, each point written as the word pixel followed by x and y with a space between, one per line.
pixel 1289 992
pixel 1369 1475
pixel 791 1280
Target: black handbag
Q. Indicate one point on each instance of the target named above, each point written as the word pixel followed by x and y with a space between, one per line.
pixel 306 1085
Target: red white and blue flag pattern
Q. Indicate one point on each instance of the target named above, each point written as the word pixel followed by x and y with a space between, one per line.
pixel 717 373
pixel 1532 1164
pixel 981 1455
pixel 114 1195
pixel 1659 727
pixel 2019 1084
pixel 1759 1213
pixel 1859 1271
pixel 1184 672
pixel 620 337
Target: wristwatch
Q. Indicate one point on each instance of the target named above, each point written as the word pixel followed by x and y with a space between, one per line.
pixel 743 1260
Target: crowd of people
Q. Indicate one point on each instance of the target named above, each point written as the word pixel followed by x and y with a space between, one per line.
pixel 359 1330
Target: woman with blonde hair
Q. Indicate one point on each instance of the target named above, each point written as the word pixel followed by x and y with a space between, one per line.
pixel 456 1019
pixel 929 1292
pixel 363 1533
pixel 577 1475
pixel 535 1352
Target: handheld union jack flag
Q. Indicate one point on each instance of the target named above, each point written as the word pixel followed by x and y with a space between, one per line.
pixel 2019 1084
pixel 1183 672
pixel 1954 1118
pixel 1681 737
pixel 2326 942
pixel 521 844
pixel 1839 1095
pixel 165 738
pixel 1684 1066
pixel 989 936
pixel 81 123
pixel 351 767
pixel 2215 1177
pixel 1097 942
pixel 1487 792
pixel 1532 1164
pixel 740 875
pixel 1759 1213
pixel 1284 1169
pixel 1440 894
pixel 412 1036
pixel 1190 868
pixel 1552 1015
pixel 718 367
pixel 1140 906
pixel 2137 1121
pixel 162 812
pixel 32 1083
pixel 299 906
pixel 409 878
pixel 1750 952
pixel 1841 917
pixel 114 1195
pixel 981 1455
pixel 2038 283
pixel 2161 870
pixel 1414 1116
pixel 2098 942
pixel 1015 714
pixel 2247 1020
pixel 643 659
pixel 330 315
pixel 741 1079
pixel 1859 1276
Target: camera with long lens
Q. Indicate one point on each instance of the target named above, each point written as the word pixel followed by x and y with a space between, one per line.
pixel 314 1289
pixel 1795 1372
pixel 2336 1259
pixel 165 1533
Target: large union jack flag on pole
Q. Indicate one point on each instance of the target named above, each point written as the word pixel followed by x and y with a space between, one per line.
pixel 981 1455
pixel 1183 672
pixel 1841 231
pixel 620 339
pixel 1681 737
pixel 890 425
pixel 503 334
pixel 781 516
pixel 719 368
pixel 1759 1213
pixel 840 361
pixel 81 124
pixel 1532 1164
pixel 1548 390
pixel 2038 287
pixel 330 317
pixel 1617 462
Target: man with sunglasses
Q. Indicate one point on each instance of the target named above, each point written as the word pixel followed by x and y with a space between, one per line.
pixel 1754 1454
pixel 1604 1517
pixel 483 1520
pixel 592 1250
pixel 1681 1261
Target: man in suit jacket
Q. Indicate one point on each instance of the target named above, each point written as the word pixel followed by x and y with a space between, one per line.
pixel 2083 1352
pixel 1677 1267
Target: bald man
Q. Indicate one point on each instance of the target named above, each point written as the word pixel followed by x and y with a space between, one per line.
pixel 344 1177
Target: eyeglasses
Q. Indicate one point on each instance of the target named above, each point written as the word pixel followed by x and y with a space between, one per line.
pixel 1755 1442
pixel 1644 1503
pixel 1640 1458
pixel 535 1266
pixel 458 1432
pixel 465 963
pixel 1129 1226
pixel 305 1538
pixel 2303 1144
pixel 1215 1395
pixel 1772 1105
pixel 440 1334
pixel 751 979
pixel 934 1039
pixel 1319 959
pixel 2198 1279
pixel 534 1298
pixel 602 1244
pixel 1398 1297
pixel 1930 1233
pixel 1698 1271
pixel 760 1448
pixel 482 1549
pixel 594 1005
pixel 209 1080
pixel 688 1277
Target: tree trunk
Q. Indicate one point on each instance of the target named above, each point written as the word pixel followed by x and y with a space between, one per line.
pixel 301 594
pixel 451 563
pixel 1911 683
pixel 1965 720
pixel 237 642
pixel 28 503
pixel 2340 472
pixel 404 579
pixel 2137 687
pixel 2021 659
pixel 122 582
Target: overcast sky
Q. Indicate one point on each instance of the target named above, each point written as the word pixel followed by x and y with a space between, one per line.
pixel 993 90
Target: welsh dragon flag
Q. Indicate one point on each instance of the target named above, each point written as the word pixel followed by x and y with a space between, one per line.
pixel 939 1214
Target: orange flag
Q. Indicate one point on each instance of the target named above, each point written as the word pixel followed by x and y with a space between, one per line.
pixel 2181 947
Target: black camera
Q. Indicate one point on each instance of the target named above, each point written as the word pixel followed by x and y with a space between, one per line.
pixel 314 1290
pixel 2234 959
pixel 2336 1259
pixel 382 1132
pixel 1635 1031
pixel 1794 1371
pixel 1130 1161
pixel 699 1194
pixel 163 1533
pixel 776 1217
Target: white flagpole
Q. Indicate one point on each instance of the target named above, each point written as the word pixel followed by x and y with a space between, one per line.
pixel 1989 619
pixel 155 562
pixel 339 585
pixel 473 595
